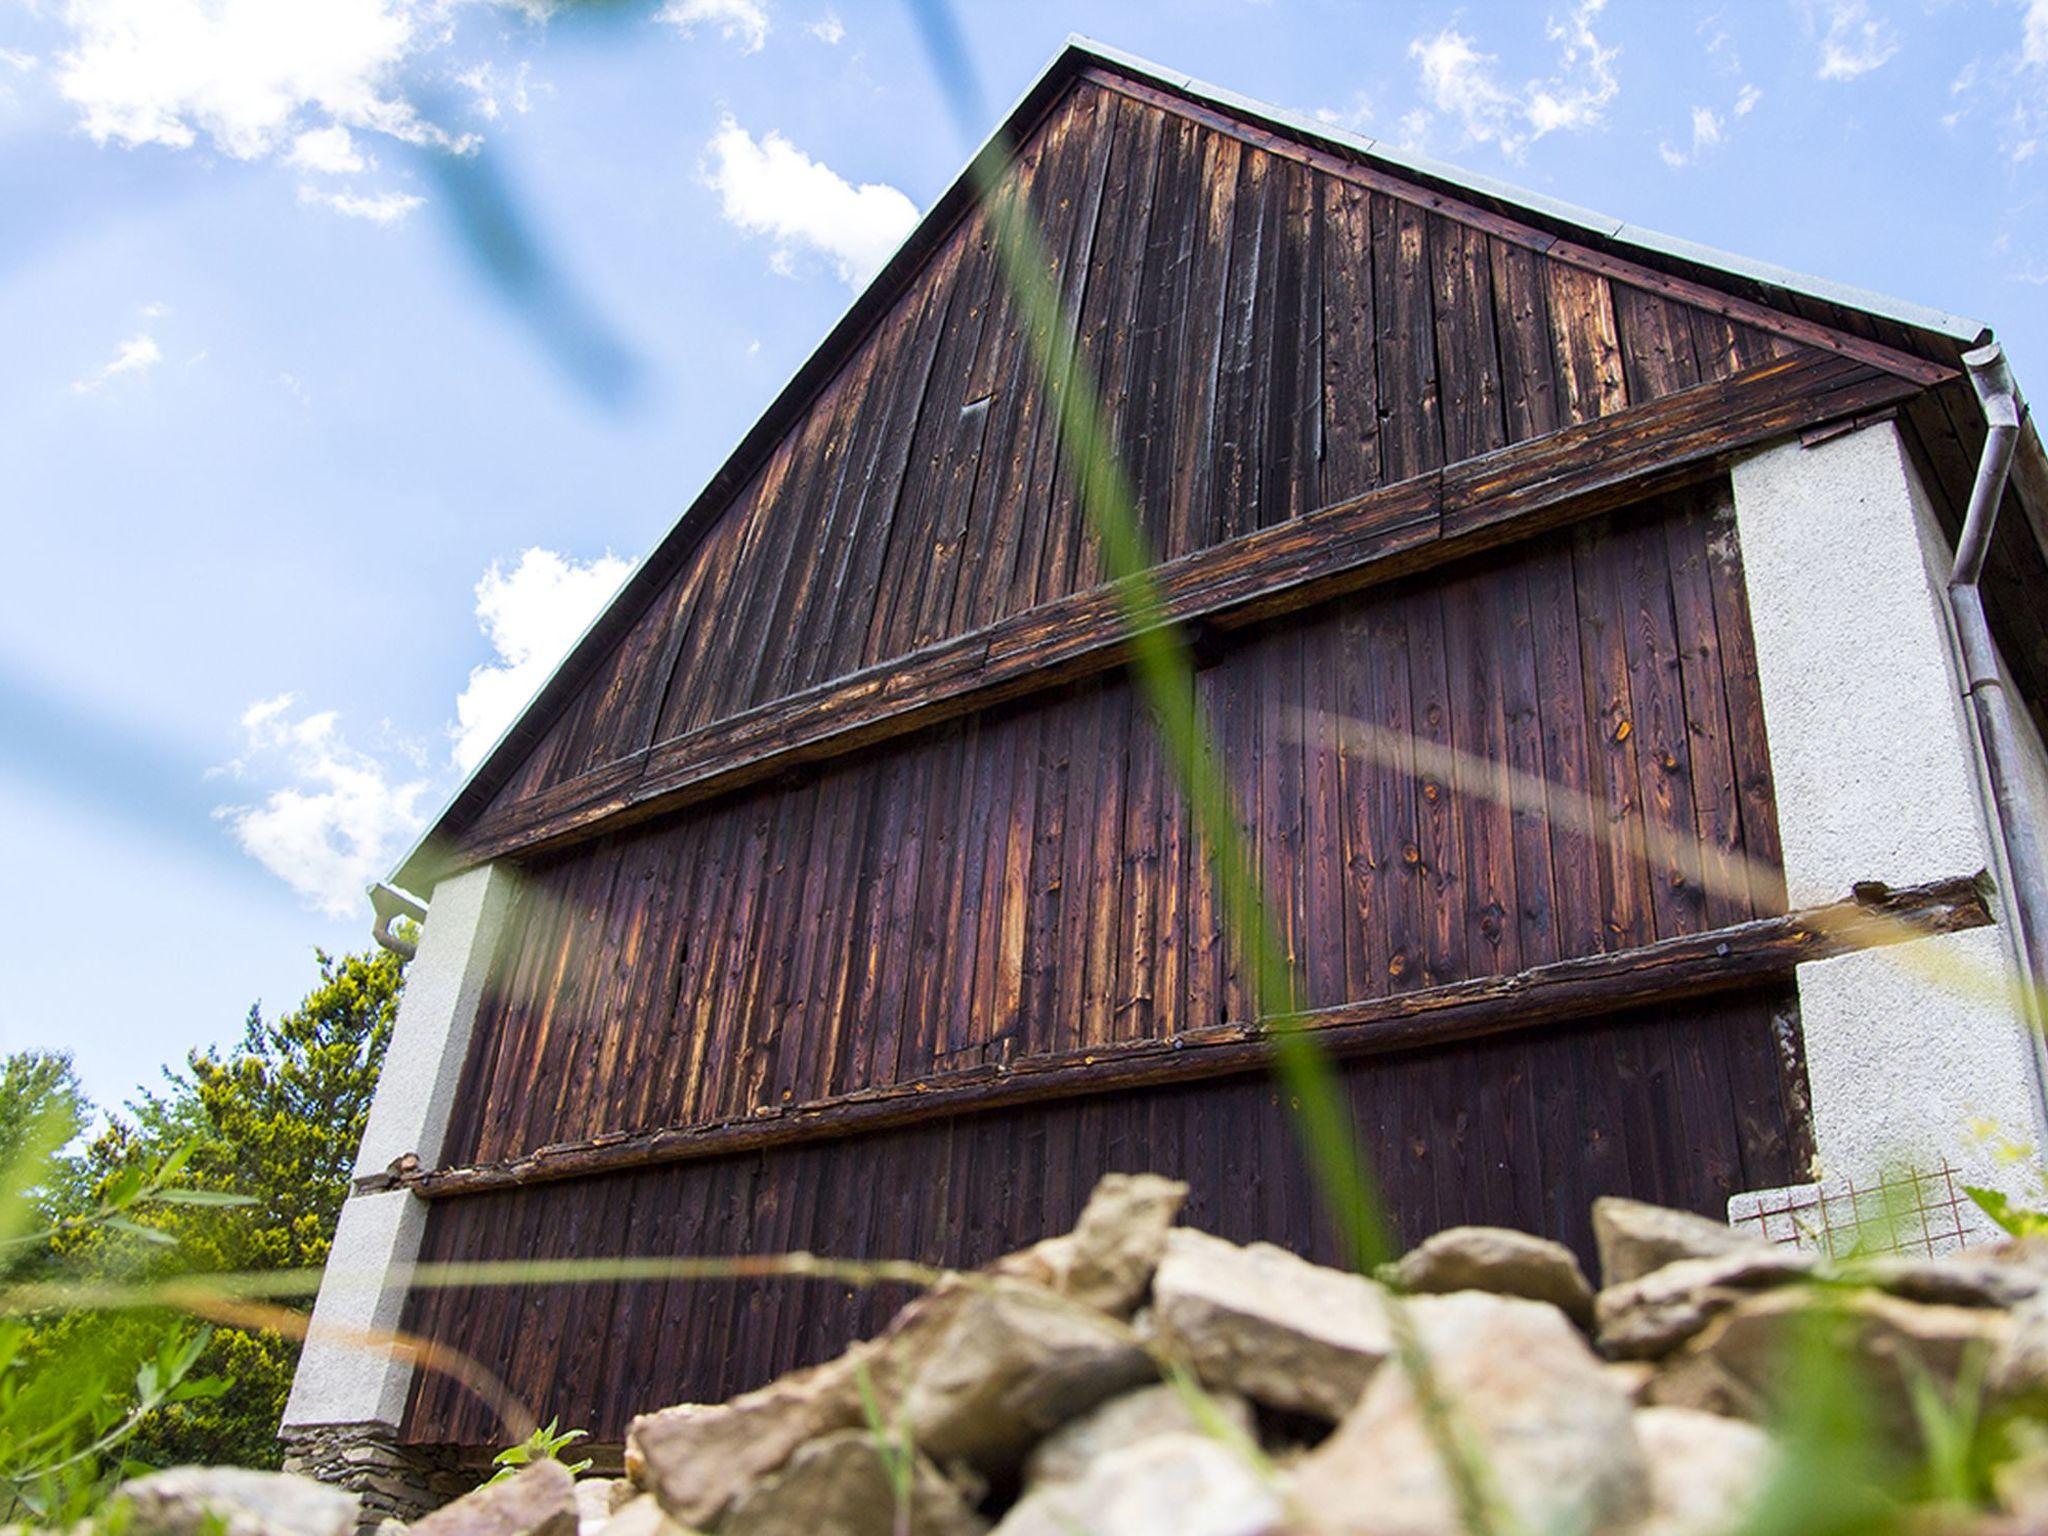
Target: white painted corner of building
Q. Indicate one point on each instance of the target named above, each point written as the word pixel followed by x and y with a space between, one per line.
pixel 444 989
pixel 349 1372
pixel 1918 1055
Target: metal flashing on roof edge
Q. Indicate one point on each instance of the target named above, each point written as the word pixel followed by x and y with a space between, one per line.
pixel 415 870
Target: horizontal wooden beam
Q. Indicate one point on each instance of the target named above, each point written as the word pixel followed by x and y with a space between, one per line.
pixel 1691 966
pixel 1377 537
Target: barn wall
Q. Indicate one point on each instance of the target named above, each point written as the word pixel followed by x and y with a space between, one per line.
pixel 1027 882
pixel 1267 338
pixel 1689 1101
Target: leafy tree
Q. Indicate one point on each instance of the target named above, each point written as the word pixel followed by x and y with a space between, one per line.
pixel 274 1121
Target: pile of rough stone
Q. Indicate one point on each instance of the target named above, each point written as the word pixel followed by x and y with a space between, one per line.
pixel 1133 1377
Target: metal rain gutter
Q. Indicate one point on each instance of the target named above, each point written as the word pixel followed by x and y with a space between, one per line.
pixel 390 904
pixel 2017 829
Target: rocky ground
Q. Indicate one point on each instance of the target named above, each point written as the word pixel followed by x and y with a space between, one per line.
pixel 1135 1377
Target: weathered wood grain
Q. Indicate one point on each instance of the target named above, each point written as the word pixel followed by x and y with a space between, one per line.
pixel 1692 965
pixel 1512 492
pixel 960 1190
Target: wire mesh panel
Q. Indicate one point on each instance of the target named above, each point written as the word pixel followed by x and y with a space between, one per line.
pixel 1910 1212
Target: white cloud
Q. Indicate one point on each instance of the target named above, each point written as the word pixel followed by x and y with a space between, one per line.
pixel 1464 84
pixel 376 207
pixel 2034 35
pixel 741 21
pixel 137 355
pixel 330 150
pixel 770 187
pixel 532 615
pixel 238 72
pixel 1578 95
pixel 828 29
pixel 332 832
pixel 1355 117
pixel 1746 100
pixel 1855 42
pixel 494 94
pixel 1708 130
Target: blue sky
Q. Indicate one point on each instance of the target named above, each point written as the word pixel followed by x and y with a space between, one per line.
pixel 296 507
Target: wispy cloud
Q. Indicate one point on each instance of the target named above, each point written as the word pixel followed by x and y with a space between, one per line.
pixel 335 828
pixel 137 355
pixel 495 92
pixel 828 29
pixel 1706 136
pixel 1855 42
pixel 532 613
pixel 770 187
pixel 742 21
pixel 1460 82
pixel 374 207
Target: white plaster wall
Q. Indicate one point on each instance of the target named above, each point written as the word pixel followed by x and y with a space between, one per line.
pixel 347 1374
pixel 444 986
pixel 1910 1049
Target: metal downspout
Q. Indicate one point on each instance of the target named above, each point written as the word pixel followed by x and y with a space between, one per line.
pixel 2018 832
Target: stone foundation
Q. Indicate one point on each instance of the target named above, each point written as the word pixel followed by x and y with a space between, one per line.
pixel 394 1481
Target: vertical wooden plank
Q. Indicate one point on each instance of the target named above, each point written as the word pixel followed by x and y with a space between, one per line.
pixel 1628 910
pixel 1239 452
pixel 1661 738
pixel 1717 812
pixel 1521 298
pixel 1192 509
pixel 1411 433
pixel 1574 817
pixel 1351 402
pixel 1765 859
pixel 1468 358
pixel 1484 795
pixel 1657 355
pixel 1586 345
pixel 1437 805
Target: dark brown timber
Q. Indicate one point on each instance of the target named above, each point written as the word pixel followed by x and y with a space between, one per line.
pixel 1511 493
pixel 1695 965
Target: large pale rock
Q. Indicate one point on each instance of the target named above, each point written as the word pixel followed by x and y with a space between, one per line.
pixel 980 1370
pixel 1746 1362
pixel 1705 1471
pixel 595 1500
pixel 1176 1484
pixel 1497 1259
pixel 232 1501
pixel 1548 1430
pixel 1634 1238
pixel 1107 1261
pixel 1648 1317
pixel 643 1516
pixel 840 1485
pixel 1071 1450
pixel 1275 1328
pixel 539 1501
pixel 697 1458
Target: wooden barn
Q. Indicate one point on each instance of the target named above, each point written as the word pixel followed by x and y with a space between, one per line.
pixel 1587 630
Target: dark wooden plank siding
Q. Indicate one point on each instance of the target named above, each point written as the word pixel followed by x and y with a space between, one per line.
pixel 1522 1130
pixel 1530 756
pixel 1265 337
